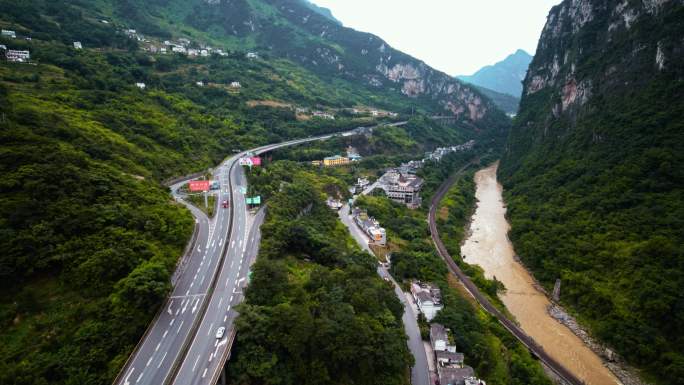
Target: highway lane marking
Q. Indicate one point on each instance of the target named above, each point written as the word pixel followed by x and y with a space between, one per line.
pixel 210 327
pixel 231 299
pixel 194 308
pixel 192 283
pixel 187 292
pixel 172 320
pixel 195 277
pixel 225 317
pixel 162 360
pixel 179 326
pixel 211 356
pixel 148 361
pixel 165 333
pixel 202 280
pixel 231 264
pixel 195 365
pixel 169 309
pixel 157 348
pixel 220 302
pixel 128 376
pixel 205 372
pixel 139 377
pixel 227 280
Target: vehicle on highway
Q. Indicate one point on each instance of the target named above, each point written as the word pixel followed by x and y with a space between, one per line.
pixel 220 332
pixel 224 204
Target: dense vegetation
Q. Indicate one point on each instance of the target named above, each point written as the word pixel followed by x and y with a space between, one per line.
pixel 89 234
pixel 596 193
pixel 316 312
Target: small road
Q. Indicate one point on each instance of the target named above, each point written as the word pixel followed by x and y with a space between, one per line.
pixel 526 340
pixel 420 373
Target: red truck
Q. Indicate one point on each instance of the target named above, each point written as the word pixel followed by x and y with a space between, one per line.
pixel 225 204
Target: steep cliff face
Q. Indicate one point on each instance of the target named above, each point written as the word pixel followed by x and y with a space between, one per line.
pixel 594 177
pixel 291 29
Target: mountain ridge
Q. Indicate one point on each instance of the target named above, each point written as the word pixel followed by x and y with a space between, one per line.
pixel 592 174
pixel 505 76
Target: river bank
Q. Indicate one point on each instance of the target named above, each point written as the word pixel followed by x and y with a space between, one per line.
pixel 488 245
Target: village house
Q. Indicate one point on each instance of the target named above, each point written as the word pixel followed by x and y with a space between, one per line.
pixel 235 85
pixel 9 33
pixel 78 45
pixel 370 226
pixel 323 115
pixel 402 187
pixel 193 52
pixel 449 362
pixel 178 49
pixel 428 299
pixel 204 53
pixel 142 86
pixel 252 55
pixel 17 56
pixel 336 160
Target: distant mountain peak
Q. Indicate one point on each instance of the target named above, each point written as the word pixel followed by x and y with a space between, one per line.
pixel 505 76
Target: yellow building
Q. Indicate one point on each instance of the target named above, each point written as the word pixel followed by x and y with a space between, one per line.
pixel 336 160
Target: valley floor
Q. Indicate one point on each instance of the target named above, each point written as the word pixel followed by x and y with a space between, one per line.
pixel 489 247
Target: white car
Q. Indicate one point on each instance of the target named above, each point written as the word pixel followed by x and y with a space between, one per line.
pixel 220 332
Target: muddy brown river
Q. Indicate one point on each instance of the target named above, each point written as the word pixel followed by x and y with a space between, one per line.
pixel 489 247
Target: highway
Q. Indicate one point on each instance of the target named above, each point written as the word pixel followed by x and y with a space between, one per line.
pixel 420 372
pixel 180 346
pixel 526 340
pixel 154 357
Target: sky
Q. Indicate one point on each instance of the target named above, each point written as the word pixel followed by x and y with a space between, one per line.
pixel 455 36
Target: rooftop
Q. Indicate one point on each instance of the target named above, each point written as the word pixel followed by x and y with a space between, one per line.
pixel 455 376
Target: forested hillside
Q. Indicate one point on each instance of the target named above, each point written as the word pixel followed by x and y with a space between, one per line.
pixel 89 234
pixel 594 178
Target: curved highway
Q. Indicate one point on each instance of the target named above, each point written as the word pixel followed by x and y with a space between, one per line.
pixel 526 340
pixel 181 346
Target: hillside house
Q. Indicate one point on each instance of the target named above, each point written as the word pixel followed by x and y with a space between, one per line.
pixel 8 33
pixel 17 56
pixel 142 86
pixel 428 299
pixel 78 45
pixel 402 187
pixel 336 160
pixel 370 226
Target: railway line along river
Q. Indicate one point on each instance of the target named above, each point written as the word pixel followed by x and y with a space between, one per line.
pixel 488 246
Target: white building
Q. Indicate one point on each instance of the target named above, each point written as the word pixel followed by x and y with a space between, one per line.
pixel 200 84
pixel 428 299
pixel 235 85
pixel 17 56
pixel 179 49
pixel 193 52
pixel 370 226
pixel 252 55
pixel 9 33
pixel 78 45
pixel 402 187
pixel 142 86
pixel 204 53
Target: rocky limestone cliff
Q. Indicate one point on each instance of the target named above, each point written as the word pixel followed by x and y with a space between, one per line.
pixel 593 174
pixel 587 40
